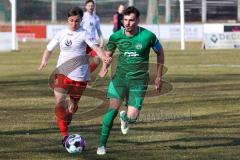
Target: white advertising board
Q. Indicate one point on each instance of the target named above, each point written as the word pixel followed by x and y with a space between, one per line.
pixel 227 40
pixel 213 28
pixel 171 32
pixel 5 41
pixel 53 29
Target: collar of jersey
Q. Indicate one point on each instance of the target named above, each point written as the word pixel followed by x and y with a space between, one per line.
pixel 70 31
pixel 87 13
pixel 139 29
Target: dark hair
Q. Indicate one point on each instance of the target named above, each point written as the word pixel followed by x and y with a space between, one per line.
pixel 130 10
pixel 89 1
pixel 75 11
pixel 121 4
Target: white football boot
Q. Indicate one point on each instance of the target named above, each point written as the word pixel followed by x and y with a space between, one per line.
pixel 124 124
pixel 101 150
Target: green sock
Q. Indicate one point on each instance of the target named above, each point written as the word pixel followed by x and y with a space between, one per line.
pixel 107 125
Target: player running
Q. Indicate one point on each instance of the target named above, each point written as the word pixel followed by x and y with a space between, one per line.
pixel 131 77
pixel 73 71
pixel 91 23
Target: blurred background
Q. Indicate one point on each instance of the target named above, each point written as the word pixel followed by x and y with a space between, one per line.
pixel 152 11
pixel 41 19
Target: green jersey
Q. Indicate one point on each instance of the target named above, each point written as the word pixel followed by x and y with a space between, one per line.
pixel 133 52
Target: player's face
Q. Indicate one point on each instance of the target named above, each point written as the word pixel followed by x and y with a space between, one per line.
pixel 130 22
pixel 90 7
pixel 121 9
pixel 74 22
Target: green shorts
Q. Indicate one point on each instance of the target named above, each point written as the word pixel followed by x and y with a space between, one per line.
pixel 132 89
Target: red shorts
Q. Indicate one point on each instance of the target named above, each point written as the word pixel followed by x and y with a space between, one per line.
pixel 91 52
pixel 74 88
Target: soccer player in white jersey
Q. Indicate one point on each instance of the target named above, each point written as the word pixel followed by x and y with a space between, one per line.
pixel 91 23
pixel 73 71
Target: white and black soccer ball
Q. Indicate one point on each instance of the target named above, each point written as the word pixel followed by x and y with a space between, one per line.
pixel 75 143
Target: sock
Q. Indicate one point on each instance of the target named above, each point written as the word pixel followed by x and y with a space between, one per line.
pixel 129 120
pixel 63 127
pixel 93 66
pixel 107 125
pixel 61 120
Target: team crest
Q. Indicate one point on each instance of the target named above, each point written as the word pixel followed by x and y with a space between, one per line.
pixel 138 46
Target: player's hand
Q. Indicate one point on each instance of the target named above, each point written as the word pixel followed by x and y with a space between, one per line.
pixel 158 84
pixel 42 65
pixel 108 60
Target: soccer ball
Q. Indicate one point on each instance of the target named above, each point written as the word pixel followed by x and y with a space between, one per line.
pixel 75 143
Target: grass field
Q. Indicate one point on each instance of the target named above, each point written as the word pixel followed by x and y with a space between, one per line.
pixel 199 119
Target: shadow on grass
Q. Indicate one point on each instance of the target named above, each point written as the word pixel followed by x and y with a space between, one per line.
pixel 208 78
pixel 95 129
pixel 51 146
pixel 212 140
pixel 41 143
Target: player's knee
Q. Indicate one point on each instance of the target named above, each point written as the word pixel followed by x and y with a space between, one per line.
pixel 115 104
pixel 73 108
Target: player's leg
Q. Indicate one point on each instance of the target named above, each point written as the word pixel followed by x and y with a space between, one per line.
pixel 73 104
pixel 72 108
pixel 128 117
pixel 116 92
pixel 107 124
pixel 60 93
pixel 61 111
pixel 64 110
pixel 75 93
pixel 135 101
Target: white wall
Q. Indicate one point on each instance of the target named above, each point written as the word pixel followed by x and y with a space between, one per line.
pixel 5 41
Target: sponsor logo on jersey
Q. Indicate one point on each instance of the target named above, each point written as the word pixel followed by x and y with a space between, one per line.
pixel 131 54
pixel 68 43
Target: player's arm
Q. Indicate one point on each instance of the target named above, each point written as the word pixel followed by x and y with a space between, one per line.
pixel 115 21
pixel 47 53
pixel 92 44
pixel 101 53
pixel 111 47
pixel 106 59
pixel 158 49
pixel 99 32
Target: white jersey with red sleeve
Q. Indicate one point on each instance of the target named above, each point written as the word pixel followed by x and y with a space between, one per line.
pixel 72 61
pixel 91 23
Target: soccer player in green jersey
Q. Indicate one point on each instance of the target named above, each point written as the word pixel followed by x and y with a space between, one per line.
pixel 131 77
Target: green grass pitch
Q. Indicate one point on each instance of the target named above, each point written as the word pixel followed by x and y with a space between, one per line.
pixel 199 118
